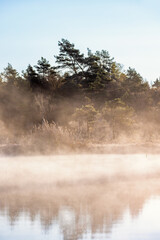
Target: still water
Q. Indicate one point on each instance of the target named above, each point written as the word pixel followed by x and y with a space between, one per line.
pixel 113 197
pixel 144 226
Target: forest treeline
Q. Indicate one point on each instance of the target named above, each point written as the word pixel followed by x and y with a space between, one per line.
pixel 84 96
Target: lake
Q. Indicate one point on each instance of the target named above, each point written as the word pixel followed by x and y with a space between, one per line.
pixel 80 197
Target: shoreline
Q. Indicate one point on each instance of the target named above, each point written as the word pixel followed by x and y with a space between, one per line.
pixel 110 148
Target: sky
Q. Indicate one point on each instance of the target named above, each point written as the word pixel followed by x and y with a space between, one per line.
pixel 128 29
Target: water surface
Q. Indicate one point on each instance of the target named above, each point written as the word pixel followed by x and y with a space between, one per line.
pixel 80 197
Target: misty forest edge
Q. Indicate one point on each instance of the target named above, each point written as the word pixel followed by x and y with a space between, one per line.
pixel 81 100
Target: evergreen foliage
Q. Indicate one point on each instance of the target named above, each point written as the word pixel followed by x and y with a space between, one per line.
pixel 87 90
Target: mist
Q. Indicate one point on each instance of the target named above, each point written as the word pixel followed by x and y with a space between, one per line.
pixel 79 143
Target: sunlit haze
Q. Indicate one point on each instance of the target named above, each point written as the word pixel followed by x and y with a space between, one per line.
pixel 79 119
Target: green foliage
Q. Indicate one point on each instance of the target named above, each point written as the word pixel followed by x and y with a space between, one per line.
pixel 156 83
pixel 43 78
pixel 98 70
pixel 85 89
pixel 10 74
pixel 134 82
pixel 43 67
pixel 69 57
pixel 118 115
pixel 85 113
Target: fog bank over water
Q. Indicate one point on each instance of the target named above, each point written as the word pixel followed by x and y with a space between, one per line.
pixel 22 171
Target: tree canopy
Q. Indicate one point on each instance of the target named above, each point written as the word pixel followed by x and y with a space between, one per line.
pixel 58 94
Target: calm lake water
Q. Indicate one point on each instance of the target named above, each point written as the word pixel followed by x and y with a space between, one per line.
pixel 40 198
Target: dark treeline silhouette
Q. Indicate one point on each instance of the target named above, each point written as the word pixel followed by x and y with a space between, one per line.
pixel 87 97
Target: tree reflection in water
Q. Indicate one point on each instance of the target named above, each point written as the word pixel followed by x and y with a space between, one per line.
pixel 79 208
pixel 85 194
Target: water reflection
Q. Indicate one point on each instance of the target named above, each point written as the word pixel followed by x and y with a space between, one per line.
pixel 75 211
pixel 105 198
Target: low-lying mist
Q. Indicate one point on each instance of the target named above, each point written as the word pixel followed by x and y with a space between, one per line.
pixel 73 169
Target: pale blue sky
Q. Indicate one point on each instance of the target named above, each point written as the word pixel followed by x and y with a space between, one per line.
pixel 128 29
